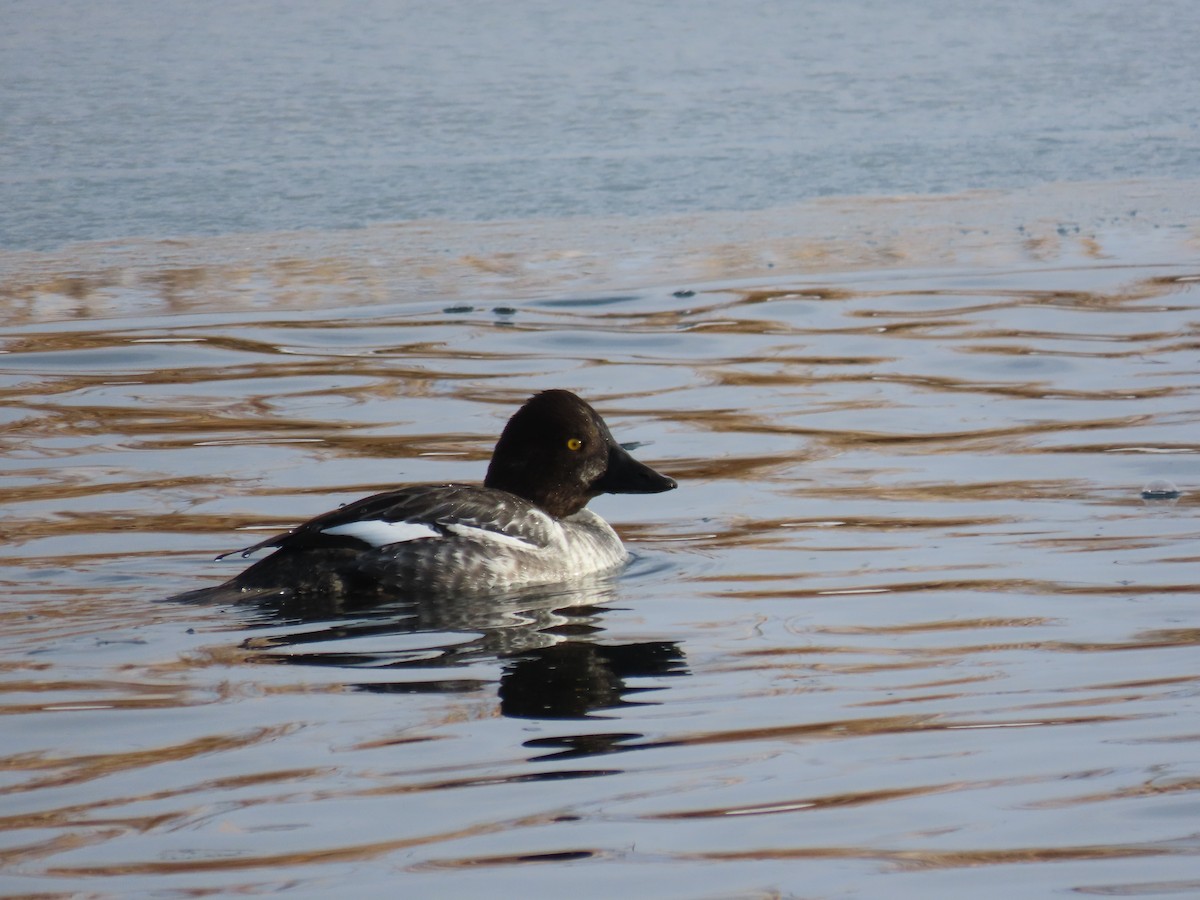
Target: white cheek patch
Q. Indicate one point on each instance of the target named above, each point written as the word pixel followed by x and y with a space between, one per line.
pixel 378 533
pixel 494 537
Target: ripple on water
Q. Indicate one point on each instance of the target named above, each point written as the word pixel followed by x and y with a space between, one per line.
pixel 917 609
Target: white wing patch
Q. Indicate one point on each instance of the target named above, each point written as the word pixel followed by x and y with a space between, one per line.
pixel 378 533
pixel 495 537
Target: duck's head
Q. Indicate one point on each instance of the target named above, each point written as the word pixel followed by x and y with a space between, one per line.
pixel 557 452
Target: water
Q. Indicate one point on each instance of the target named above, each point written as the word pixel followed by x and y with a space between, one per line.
pixel 165 119
pixel 919 621
pixel 908 628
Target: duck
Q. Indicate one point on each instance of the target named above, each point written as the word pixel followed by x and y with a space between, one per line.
pixel 526 525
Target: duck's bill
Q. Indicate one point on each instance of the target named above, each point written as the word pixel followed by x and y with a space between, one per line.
pixel 625 475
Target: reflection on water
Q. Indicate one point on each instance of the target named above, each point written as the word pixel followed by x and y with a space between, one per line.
pixel 555 665
pixel 911 613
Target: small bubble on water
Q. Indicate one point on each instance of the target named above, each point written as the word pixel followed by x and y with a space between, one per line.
pixel 1160 489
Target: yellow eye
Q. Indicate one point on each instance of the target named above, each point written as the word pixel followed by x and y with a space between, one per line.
pixel 574 443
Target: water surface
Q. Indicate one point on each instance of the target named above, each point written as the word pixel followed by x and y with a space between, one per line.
pixel 173 117
pixel 918 622
pixel 908 628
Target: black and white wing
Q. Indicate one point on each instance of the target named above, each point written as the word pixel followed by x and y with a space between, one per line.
pixel 428 512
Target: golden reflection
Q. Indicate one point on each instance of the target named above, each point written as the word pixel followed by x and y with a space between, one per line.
pixel 1033 391
pixel 67 489
pixel 317 856
pixel 836 801
pixel 1147 683
pixel 755 296
pixel 98 694
pixel 943 625
pixel 73 770
pixel 945 859
pixel 898 701
pixel 11 858
pixel 88 813
pixel 555 856
pixel 981 585
pixel 733 468
pixel 1156 788
pixel 744 422
pixel 842 728
pixel 924 656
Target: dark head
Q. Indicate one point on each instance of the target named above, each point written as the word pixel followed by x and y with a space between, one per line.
pixel 557 452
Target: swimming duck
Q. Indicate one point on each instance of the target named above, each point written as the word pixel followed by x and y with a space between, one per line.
pixel 527 524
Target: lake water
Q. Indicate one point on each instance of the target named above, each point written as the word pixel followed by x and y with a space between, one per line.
pixel 150 118
pixel 907 622
pixel 919 620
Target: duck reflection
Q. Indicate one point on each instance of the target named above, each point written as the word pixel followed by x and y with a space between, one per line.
pixel 555 664
pixel 573 679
